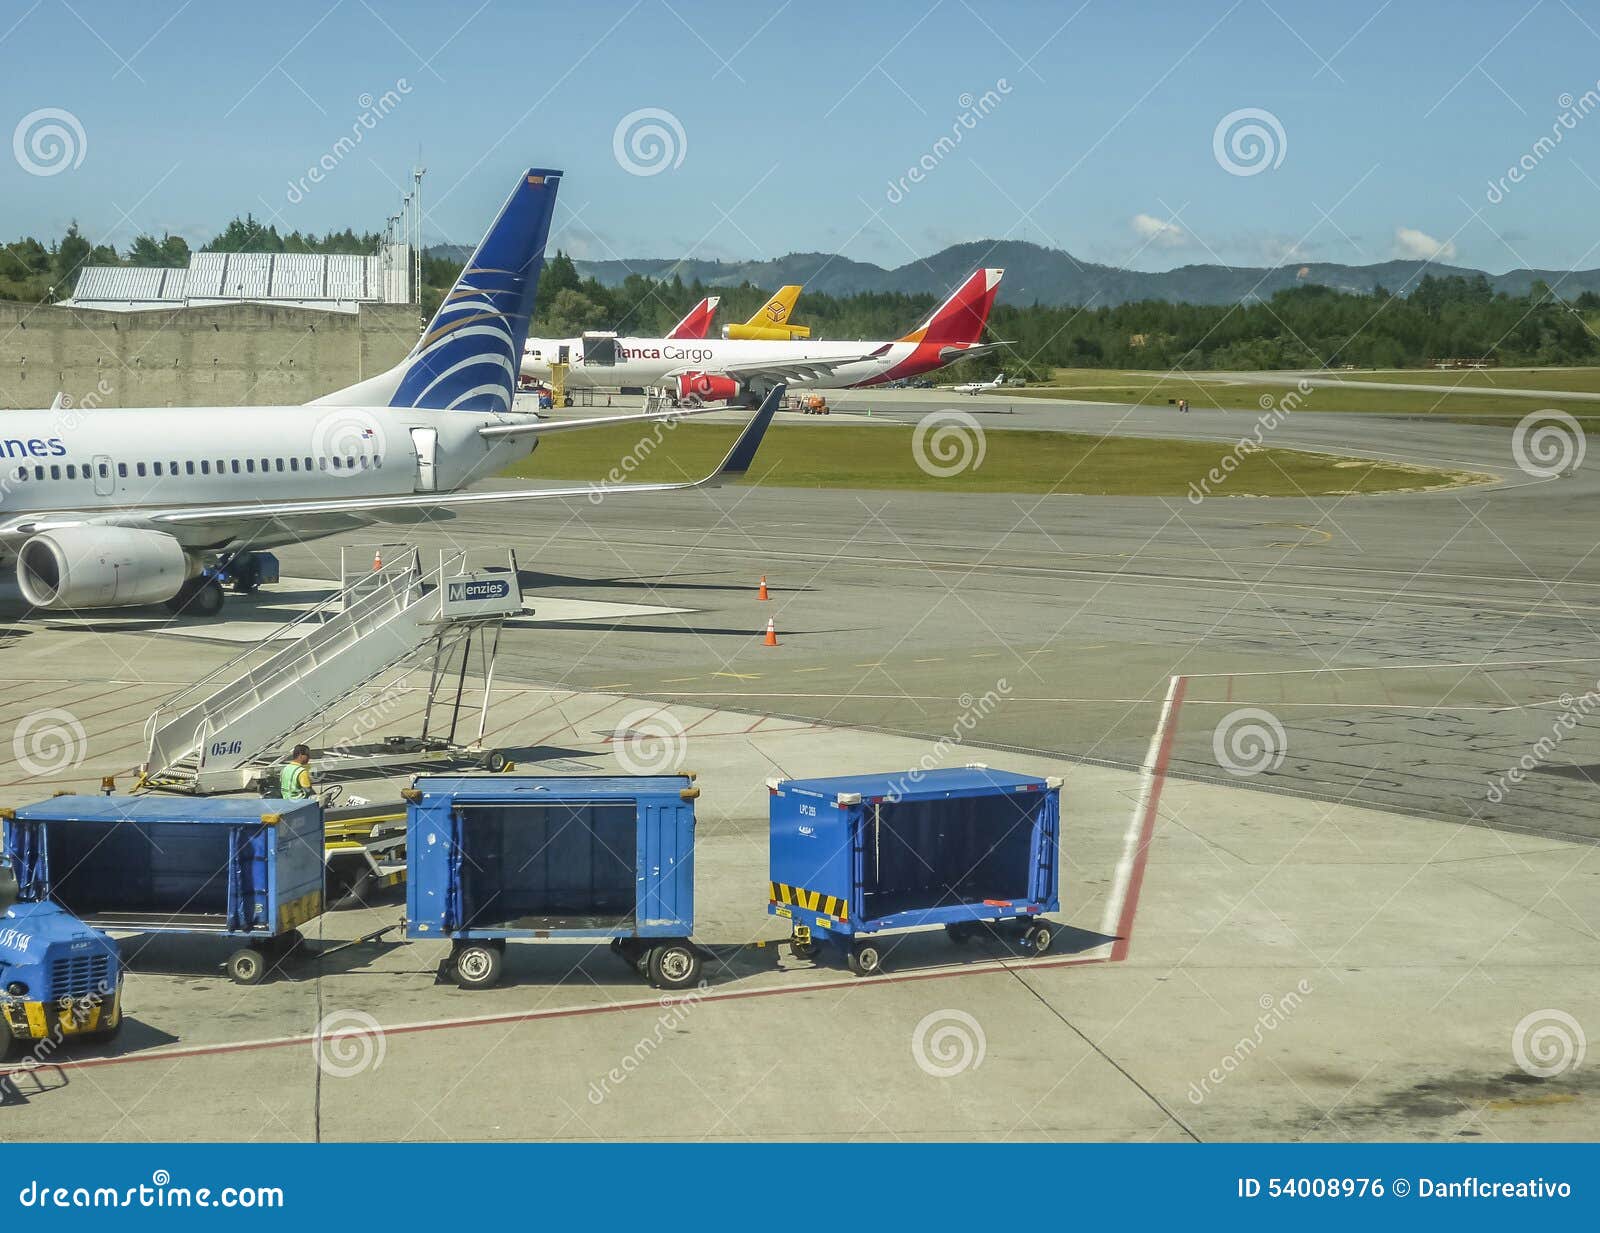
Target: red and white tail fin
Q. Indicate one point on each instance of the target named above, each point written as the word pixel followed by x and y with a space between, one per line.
pixel 961 318
pixel 697 324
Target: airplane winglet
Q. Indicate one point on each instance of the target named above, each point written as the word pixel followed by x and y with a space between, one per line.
pixel 744 449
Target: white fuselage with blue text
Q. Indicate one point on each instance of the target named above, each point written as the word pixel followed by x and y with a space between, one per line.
pixel 119 462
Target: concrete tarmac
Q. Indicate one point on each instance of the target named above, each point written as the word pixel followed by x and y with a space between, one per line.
pixel 1339 933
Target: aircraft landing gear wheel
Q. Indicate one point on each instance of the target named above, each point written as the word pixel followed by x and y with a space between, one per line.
pixel 866 959
pixel 478 965
pixel 197 597
pixel 247 967
pixel 674 966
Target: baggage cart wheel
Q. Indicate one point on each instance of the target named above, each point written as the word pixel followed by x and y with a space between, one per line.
pixel 866 959
pixel 247 966
pixel 495 761
pixel 804 948
pixel 1037 938
pixel 674 966
pixel 960 932
pixel 478 965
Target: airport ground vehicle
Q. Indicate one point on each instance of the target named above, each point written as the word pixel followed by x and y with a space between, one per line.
pixel 968 848
pixel 244 869
pixel 557 858
pixel 60 980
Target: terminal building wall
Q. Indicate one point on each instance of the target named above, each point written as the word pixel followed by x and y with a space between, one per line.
pixel 234 354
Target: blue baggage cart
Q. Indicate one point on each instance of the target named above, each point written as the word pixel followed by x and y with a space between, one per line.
pixel 242 868
pixel 60 981
pixel 560 858
pixel 969 848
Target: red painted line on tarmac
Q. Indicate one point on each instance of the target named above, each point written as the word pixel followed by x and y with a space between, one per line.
pixel 1147 826
pixel 990 967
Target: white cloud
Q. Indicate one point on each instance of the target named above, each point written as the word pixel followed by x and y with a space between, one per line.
pixel 1158 231
pixel 1420 246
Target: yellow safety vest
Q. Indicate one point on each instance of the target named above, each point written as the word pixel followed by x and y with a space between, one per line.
pixel 294 782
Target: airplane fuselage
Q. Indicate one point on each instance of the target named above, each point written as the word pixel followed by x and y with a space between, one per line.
pixel 652 361
pixel 119 462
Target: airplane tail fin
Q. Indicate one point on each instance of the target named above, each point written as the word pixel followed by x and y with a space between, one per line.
pixel 776 310
pixel 770 322
pixel 467 358
pixel 697 322
pixel 961 318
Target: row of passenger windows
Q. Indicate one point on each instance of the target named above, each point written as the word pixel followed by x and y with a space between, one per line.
pixel 204 466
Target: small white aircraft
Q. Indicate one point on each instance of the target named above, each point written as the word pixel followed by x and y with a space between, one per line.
pixel 979 387
pixel 114 508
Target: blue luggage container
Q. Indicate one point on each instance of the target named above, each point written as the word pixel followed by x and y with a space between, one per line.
pixel 60 980
pixel 243 868
pixel 558 858
pixel 967 848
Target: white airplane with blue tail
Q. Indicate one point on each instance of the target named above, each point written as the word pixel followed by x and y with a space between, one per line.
pixel 113 508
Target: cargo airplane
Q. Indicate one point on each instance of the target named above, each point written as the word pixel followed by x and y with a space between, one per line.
pixel 718 370
pixel 115 508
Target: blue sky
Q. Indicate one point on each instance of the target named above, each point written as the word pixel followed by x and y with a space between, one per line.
pixel 798 120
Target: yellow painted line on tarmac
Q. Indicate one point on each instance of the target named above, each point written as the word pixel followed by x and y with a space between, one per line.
pixel 740 676
pixel 613 685
pixel 986 655
pixel 678 680
pixel 810 669
pixel 877 664
pixel 937 659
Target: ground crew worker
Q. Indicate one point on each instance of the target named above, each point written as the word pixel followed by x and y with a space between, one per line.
pixel 294 780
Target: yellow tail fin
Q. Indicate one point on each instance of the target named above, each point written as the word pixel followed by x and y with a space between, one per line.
pixel 776 310
pixel 771 320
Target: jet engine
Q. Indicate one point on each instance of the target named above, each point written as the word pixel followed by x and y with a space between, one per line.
pixel 707 387
pixel 100 567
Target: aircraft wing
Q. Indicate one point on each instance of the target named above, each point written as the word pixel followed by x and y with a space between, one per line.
pixel 789 372
pixel 227 517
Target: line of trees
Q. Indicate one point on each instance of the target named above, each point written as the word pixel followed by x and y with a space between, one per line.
pixel 1303 327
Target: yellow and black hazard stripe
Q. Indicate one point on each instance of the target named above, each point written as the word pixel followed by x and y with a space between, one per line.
pixel 811 901
pixel 40 1020
pixel 297 912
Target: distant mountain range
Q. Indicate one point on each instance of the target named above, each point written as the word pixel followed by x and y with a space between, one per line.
pixel 1050 276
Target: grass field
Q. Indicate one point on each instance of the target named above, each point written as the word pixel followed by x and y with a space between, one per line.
pixel 1581 380
pixel 861 456
pixel 1157 389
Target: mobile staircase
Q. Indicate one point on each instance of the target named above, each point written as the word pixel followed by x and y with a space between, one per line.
pixel 319 674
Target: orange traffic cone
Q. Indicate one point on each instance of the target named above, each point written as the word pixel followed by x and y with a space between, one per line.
pixel 377 559
pixel 772 634
pixel 762 594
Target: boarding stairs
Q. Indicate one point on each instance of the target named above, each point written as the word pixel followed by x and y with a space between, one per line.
pixel 318 673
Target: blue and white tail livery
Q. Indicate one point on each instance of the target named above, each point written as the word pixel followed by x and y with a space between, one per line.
pixel 467 358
